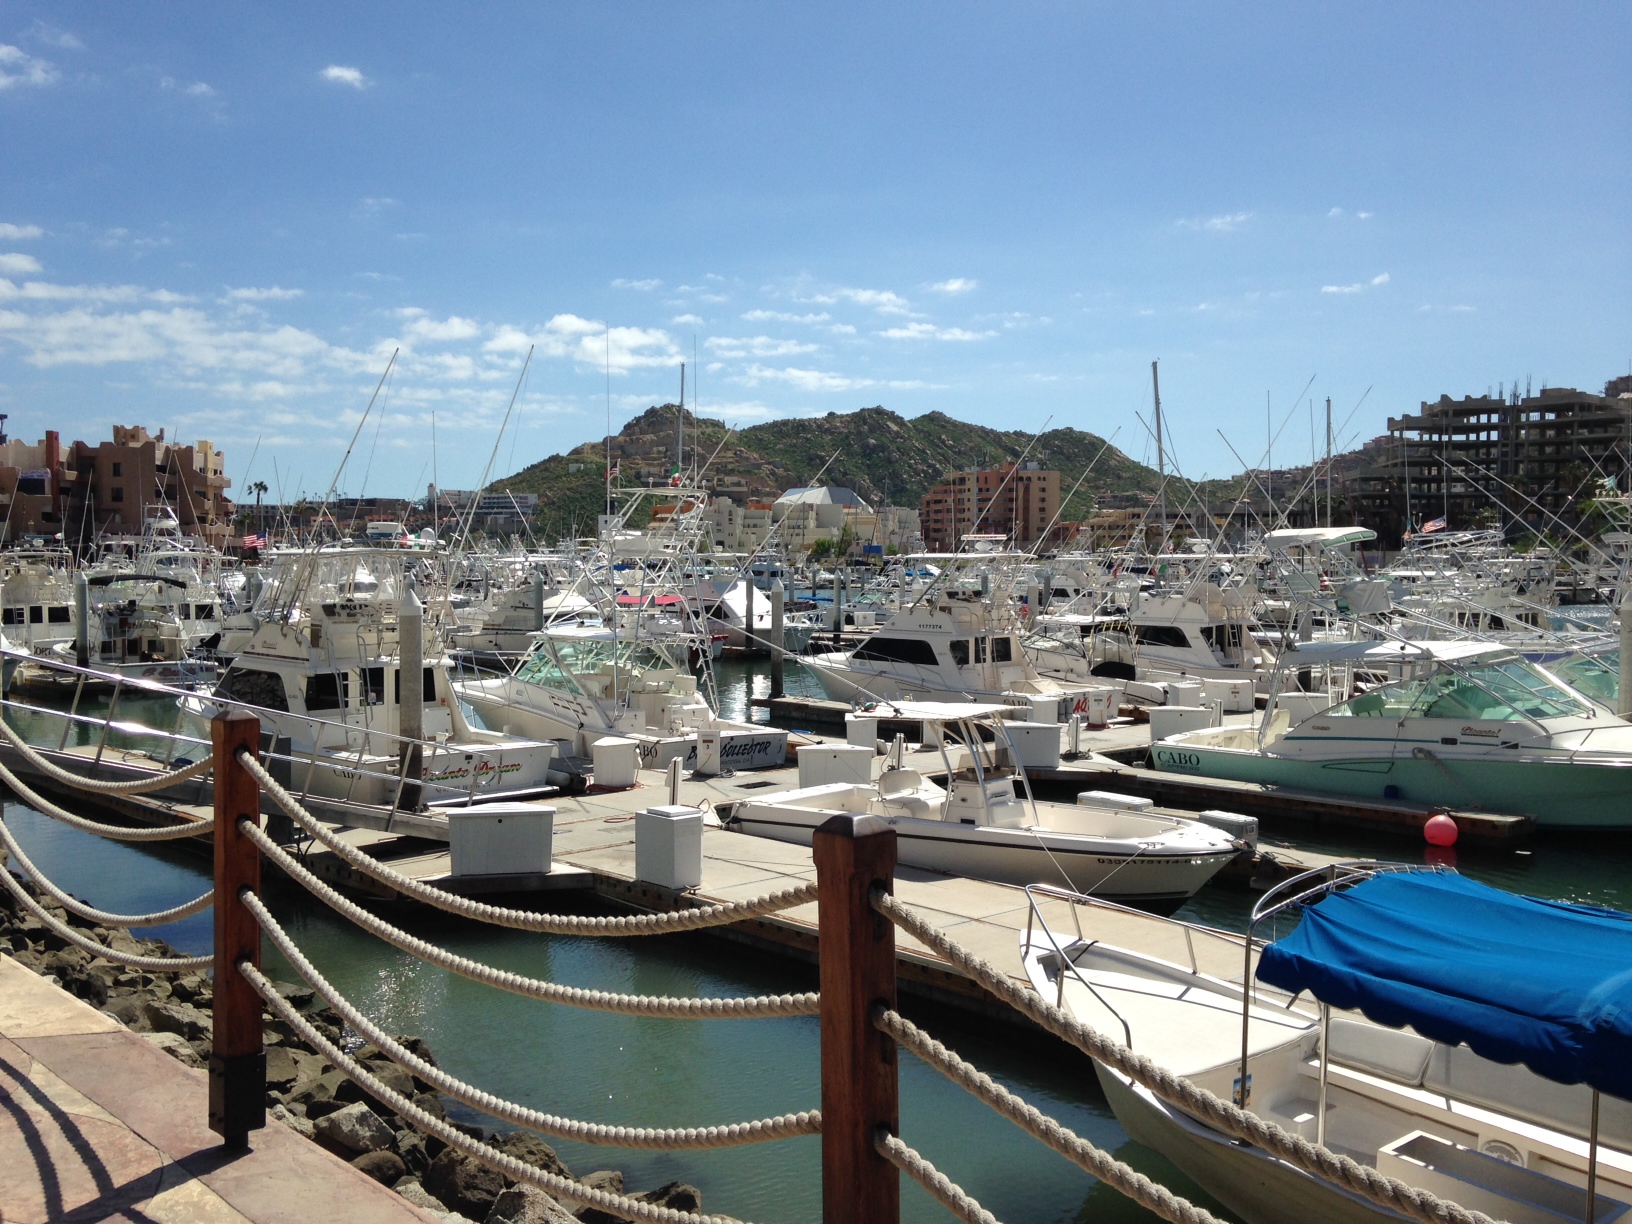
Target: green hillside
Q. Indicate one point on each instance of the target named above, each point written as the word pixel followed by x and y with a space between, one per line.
pixel 882 456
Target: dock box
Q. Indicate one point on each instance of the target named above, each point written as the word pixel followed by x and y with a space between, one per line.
pixel 861 731
pixel 1242 828
pixel 1037 743
pixel 822 764
pixel 615 761
pixel 501 839
pixel 1170 720
pixel 669 846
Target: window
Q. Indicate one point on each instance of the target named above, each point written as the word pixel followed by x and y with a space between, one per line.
pixel 119 493
pixel 960 652
pixel 1002 650
pixel 980 650
pixel 185 611
pixel 373 686
pixel 327 691
pixel 253 687
pixel 429 689
pixel 896 650
pixel 11 616
pixel 118 469
pixel 203 611
pixel 1161 635
pixel 36 614
pixel 59 615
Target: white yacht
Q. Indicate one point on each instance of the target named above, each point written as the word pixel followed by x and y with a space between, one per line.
pixel 979 825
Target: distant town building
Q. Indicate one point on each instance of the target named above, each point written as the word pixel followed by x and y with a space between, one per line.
pixel 496 511
pixel 1020 503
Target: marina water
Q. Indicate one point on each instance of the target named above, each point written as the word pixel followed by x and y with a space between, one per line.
pixel 689 1073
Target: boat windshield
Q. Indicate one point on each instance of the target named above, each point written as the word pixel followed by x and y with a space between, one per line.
pixel 557 662
pixel 1597 675
pixel 1502 691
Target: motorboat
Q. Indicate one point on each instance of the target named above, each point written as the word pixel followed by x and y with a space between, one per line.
pixel 1458 724
pixel 1465 1041
pixel 980 825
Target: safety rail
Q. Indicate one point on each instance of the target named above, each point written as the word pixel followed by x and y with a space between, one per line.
pixel 862 1153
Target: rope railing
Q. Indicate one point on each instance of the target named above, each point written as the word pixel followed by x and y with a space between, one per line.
pixel 697 919
pixel 518 1170
pixel 1114 1173
pixel 90 913
pixel 34 799
pixel 1226 1116
pixel 760 1007
pixel 942 1188
pixel 739 1134
pixel 135 786
pixel 150 964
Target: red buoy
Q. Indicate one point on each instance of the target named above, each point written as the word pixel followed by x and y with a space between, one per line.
pixel 1440 830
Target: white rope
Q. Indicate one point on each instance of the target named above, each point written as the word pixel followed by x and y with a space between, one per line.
pixel 1135 1185
pixel 152 964
pixel 35 800
pixel 573 996
pixel 136 786
pixel 75 906
pixel 522 920
pixel 550 1183
pixel 1224 1115
pixel 945 1191
pixel 737 1134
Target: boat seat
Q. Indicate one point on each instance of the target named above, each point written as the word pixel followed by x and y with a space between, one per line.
pixel 893 783
pixel 1459 1073
pixel 1391 1053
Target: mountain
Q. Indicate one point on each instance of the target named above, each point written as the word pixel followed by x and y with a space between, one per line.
pixel 887 458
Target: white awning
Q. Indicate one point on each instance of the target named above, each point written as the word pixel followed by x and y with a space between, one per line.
pixel 1318 537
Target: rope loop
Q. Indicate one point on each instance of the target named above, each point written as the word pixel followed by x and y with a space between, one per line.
pixel 942 1188
pixel 696 919
pixel 150 964
pixel 91 914
pixel 34 799
pixel 136 786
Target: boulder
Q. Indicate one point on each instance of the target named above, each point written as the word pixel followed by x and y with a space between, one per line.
pixel 171 1016
pixel 528 1205
pixel 385 1167
pixel 293 1121
pixel 355 1129
pixel 610 1180
pixel 431 1103
pixel 411 1189
pixel 411 1147
pixel 464 1185
pixel 530 1149
pixel 281 1068
pixel 176 1047
pixel 677 1196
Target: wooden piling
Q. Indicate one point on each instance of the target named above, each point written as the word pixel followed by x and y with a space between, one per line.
pixel 237 1055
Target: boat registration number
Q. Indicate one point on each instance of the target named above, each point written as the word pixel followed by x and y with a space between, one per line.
pixel 1177 761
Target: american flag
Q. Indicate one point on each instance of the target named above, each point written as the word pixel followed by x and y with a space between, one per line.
pixel 612 472
pixel 255 541
pixel 1433 525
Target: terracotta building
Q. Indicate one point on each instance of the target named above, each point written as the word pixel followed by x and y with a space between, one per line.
pixel 1018 502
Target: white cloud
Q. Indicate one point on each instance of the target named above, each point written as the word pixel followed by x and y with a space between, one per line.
pixel 881 300
pixel 782 316
pixel 1380 280
pixel 756 346
pixel 18 68
pixel 422 327
pixel 341 74
pixel 1221 224
pixel 373 206
pixel 804 380
pixel 588 342
pixel 53 37
pixel 273 293
pixel 686 320
pixel 1364 216
pixel 645 286
pixel 1335 212
pixel 198 89
pixel 957 285
pixel 928 331
pixel 1357 287
pixel 19 233
pixel 17 264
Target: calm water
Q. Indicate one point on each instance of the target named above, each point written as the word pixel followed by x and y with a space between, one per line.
pixel 669 1073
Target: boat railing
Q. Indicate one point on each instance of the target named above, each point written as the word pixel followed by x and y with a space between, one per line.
pixel 1037 893
pixel 483 761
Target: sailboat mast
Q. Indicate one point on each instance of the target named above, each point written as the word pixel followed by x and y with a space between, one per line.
pixel 1161 453
pixel 1328 461
pixel 680 431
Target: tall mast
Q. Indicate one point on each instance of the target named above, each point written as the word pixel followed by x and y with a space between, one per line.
pixel 1161 453
pixel 1328 461
pixel 680 444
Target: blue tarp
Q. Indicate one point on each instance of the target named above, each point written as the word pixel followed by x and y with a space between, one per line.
pixel 1518 979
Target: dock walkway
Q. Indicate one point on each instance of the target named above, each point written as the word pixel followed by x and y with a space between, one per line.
pixel 97 1123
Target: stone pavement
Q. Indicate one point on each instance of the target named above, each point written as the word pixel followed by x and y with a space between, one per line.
pixel 97 1123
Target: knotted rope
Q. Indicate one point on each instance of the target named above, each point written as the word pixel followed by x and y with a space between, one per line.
pixel 115 832
pixel 136 786
pixel 151 964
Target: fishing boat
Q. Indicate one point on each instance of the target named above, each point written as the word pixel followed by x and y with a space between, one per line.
pixel 1458 724
pixel 980 825
pixel 1465 1041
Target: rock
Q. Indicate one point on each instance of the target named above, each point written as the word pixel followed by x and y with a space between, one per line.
pixel 464 1185
pixel 528 1205
pixel 411 1147
pixel 170 1016
pixel 394 1078
pixel 610 1180
pixel 411 1189
pixel 677 1196
pixel 174 1046
pixel 130 1011
pixel 281 1068
pixel 298 996
pixel 189 988
pixel 294 1122
pixel 322 1109
pixel 355 1129
pixel 530 1149
pixel 384 1167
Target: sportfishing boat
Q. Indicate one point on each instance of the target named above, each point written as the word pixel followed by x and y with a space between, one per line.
pixel 1468 1042
pixel 979 825
pixel 1462 724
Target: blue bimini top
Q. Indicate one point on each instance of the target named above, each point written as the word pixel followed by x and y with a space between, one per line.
pixel 1519 980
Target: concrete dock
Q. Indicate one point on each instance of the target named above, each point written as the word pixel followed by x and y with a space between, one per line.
pixel 97 1123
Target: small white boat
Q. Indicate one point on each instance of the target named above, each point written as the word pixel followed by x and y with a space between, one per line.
pixel 979 826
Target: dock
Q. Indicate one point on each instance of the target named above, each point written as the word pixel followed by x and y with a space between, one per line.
pixel 97 1122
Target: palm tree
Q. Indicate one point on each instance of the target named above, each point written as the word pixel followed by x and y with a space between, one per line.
pixel 259 488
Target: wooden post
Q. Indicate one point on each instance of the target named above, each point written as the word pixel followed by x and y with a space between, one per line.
pixel 779 637
pixel 237 1055
pixel 853 855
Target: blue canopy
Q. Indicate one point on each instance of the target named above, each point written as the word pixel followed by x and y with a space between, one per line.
pixel 1518 979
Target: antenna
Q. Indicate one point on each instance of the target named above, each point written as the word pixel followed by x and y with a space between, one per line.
pixel 1161 453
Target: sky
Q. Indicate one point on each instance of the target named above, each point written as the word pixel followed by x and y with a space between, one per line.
pixel 225 219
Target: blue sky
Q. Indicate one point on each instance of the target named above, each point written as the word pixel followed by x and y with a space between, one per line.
pixel 222 219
